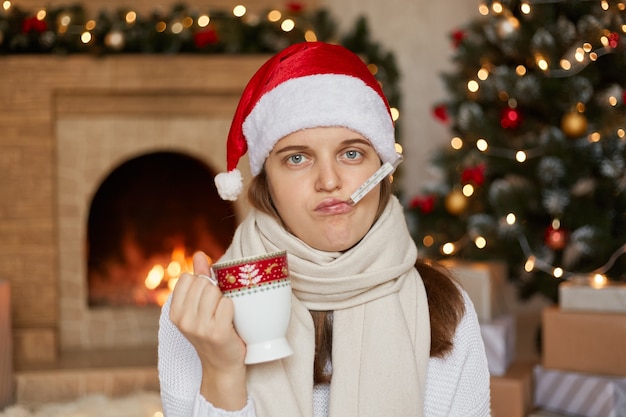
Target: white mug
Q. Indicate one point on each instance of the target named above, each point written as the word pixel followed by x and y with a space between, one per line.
pixel 260 288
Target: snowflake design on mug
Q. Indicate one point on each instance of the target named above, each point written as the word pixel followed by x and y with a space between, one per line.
pixel 249 275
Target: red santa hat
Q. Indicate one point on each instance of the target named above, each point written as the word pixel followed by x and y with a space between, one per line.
pixel 307 85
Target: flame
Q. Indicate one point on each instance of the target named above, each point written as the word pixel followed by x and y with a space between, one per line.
pixel 161 280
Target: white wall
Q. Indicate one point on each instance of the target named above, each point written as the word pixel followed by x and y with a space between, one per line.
pixel 417 32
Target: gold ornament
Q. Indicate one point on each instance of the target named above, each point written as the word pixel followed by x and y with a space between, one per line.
pixel 455 202
pixel 574 124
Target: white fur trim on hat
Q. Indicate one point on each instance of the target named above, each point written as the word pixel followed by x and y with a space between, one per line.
pixel 321 100
pixel 229 184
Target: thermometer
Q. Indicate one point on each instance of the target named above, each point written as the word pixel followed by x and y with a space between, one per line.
pixel 385 170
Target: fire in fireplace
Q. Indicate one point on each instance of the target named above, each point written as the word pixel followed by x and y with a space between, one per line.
pixel 147 218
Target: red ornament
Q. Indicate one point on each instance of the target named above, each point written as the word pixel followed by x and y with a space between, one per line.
pixel 425 203
pixel 294 6
pixel 32 24
pixel 556 239
pixel 510 118
pixel 457 37
pixel 205 37
pixel 475 175
pixel 614 40
pixel 441 113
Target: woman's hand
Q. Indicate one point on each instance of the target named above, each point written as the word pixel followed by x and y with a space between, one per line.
pixel 205 318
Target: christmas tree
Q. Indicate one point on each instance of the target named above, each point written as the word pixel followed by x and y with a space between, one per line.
pixel 535 171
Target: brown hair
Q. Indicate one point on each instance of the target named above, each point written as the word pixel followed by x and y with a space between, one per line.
pixel 445 302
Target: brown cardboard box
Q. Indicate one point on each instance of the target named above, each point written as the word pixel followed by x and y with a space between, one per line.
pixel 584 341
pixel 484 283
pixel 511 394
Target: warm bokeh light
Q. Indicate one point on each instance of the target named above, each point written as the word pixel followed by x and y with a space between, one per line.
pixel 274 16
pixel 599 281
pixel 288 25
pixel 594 137
pixel 239 10
pixel 155 276
pixel 131 17
pixel 530 264
pixel 456 143
pixel 310 36
pixel 395 114
pixel 204 20
pixel 448 248
pixel 177 27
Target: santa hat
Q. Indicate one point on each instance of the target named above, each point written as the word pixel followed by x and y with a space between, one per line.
pixel 307 85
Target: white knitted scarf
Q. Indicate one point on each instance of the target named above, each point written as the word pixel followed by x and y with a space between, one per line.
pixel 381 327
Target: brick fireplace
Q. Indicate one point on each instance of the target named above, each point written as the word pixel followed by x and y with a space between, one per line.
pixel 66 122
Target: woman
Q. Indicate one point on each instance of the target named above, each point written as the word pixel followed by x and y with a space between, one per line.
pixel 375 331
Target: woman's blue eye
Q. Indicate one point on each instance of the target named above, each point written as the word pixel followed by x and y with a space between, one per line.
pixel 296 159
pixel 352 154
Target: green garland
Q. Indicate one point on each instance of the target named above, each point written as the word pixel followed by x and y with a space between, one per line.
pixel 68 30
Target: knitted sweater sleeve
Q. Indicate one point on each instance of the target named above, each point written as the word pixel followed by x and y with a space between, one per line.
pixel 180 375
pixel 458 385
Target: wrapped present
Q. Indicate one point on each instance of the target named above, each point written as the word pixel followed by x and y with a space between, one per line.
pixel 584 341
pixel 580 394
pixel 582 296
pixel 484 282
pixel 6 357
pixel 511 393
pixel 499 339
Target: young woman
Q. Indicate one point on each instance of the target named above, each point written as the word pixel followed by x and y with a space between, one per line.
pixel 375 331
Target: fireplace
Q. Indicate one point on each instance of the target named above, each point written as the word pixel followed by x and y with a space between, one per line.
pixel 146 219
pixel 134 189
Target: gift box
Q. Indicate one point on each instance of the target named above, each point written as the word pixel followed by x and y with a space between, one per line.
pixel 6 357
pixel 580 296
pixel 484 283
pixel 499 339
pixel 511 393
pixel 584 341
pixel 579 394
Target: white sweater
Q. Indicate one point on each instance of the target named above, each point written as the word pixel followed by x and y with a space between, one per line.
pixel 456 386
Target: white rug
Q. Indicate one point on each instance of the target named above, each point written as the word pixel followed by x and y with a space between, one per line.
pixel 141 404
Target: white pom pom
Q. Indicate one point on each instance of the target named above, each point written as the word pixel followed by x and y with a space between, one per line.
pixel 229 184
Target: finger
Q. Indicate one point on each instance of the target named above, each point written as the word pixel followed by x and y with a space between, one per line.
pixel 201 264
pixel 179 294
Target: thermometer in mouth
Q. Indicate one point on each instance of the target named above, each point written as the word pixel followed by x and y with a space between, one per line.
pixel 385 170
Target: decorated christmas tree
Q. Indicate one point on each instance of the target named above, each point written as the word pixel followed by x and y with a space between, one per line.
pixel 535 171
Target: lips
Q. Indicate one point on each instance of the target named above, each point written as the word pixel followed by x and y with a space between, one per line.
pixel 333 206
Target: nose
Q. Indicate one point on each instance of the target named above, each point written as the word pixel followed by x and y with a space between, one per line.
pixel 328 177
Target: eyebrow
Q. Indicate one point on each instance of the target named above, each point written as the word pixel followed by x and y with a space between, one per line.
pixel 346 142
